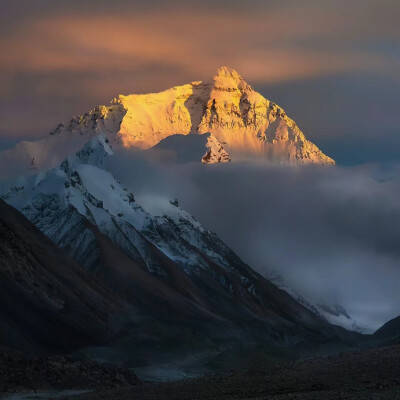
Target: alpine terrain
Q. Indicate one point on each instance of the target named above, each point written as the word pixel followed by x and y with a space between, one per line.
pixel 48 303
pixel 187 298
pixel 240 123
pixel 162 293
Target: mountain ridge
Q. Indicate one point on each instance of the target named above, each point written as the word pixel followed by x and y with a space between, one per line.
pixel 241 124
pixel 162 261
pixel 242 120
pixel 48 303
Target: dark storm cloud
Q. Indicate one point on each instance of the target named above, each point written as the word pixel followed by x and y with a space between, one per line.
pixel 61 57
pixel 332 233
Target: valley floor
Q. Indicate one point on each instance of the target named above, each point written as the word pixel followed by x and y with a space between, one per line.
pixel 363 375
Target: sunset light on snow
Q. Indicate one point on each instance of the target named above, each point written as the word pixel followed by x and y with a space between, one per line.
pixel 199 199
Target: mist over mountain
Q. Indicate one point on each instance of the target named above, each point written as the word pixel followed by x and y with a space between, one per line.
pixel 143 181
pixel 190 304
pixel 331 234
pixel 287 222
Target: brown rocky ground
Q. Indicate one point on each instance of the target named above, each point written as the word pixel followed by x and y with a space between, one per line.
pixel 368 374
pixel 59 373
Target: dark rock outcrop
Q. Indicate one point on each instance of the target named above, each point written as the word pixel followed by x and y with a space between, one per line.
pixel 60 373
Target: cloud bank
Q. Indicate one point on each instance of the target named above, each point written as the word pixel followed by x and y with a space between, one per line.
pixel 333 234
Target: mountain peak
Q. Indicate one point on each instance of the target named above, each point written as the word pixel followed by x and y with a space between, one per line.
pixel 95 151
pixel 227 72
pixel 244 122
pixel 227 77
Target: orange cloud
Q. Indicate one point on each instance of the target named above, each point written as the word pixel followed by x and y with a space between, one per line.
pixel 265 47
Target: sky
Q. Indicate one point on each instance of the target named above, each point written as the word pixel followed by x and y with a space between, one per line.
pixel 332 65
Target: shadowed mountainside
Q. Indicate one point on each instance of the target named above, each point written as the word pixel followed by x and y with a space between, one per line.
pixel 47 302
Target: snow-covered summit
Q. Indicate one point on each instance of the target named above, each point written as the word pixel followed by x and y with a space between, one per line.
pixel 227 78
pixel 246 123
pixel 243 122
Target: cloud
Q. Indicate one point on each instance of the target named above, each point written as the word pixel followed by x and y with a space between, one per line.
pixel 266 44
pixel 332 233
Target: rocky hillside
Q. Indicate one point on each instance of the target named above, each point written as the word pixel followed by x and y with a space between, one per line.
pixel 47 302
pixel 389 333
pixel 60 373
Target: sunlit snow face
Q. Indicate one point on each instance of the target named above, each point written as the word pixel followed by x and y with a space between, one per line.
pixel 66 57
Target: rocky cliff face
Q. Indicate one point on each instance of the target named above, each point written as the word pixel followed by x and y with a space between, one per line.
pixel 242 121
